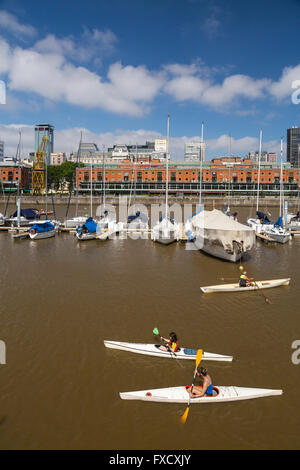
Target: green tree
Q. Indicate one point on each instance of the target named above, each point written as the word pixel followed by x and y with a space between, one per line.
pixel 58 175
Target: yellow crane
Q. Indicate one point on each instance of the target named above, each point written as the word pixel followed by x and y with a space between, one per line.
pixel 39 168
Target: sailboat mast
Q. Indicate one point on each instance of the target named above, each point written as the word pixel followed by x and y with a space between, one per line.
pixel 78 166
pixel 135 172
pixel 18 157
pixel 280 197
pixel 102 174
pixel 103 180
pixel 91 194
pixel 258 175
pixel 167 165
pixel 201 165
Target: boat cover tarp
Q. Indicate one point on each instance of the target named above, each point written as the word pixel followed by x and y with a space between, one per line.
pixel 279 223
pixel 45 227
pixel 90 225
pixel 263 217
pixel 137 215
pixel 217 228
pixel 29 214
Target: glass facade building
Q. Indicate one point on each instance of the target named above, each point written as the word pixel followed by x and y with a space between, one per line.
pixel 40 131
pixel 1 150
pixel 293 143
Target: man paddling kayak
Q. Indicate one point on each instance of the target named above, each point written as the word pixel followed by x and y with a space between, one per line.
pixel 244 280
pixel 207 387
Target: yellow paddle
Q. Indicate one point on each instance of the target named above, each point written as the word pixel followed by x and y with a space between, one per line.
pixel 198 360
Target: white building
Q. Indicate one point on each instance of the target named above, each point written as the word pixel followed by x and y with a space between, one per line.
pixel 160 145
pixel 89 153
pixel 57 158
pixel 193 151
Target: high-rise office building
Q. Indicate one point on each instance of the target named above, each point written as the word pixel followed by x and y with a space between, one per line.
pixel 1 150
pixel 193 151
pixel 42 130
pixel 293 142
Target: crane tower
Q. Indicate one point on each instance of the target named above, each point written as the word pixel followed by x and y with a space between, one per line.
pixel 39 168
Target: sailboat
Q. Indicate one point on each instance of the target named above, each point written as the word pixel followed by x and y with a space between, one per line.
pixel 261 224
pixel 89 230
pixel 136 219
pixel 216 234
pixel 188 227
pixel 166 231
pixel 106 220
pixel 43 228
pixel 75 221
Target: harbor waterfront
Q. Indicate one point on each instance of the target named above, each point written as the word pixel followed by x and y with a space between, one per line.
pixel 61 299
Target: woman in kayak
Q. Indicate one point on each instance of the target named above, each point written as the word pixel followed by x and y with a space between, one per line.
pixel 207 387
pixel 171 343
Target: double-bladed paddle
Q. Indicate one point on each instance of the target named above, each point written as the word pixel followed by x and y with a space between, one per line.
pixel 198 360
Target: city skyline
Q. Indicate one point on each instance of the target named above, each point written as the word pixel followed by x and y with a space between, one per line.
pixel 198 61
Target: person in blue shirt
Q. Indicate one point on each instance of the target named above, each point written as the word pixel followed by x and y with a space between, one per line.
pixel 206 389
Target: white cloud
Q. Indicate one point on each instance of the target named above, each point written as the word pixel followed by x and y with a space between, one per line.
pixel 125 90
pixel 11 23
pixel 5 57
pixel 88 45
pixel 188 83
pixel 283 87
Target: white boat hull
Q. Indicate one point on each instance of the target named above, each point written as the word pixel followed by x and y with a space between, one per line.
pixel 165 232
pixel 236 287
pixel 152 350
pixel 180 394
pixel 86 236
pixel 41 235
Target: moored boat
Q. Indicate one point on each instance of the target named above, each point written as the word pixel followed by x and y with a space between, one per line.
pixel 257 285
pixel 220 236
pixel 41 230
pixel 166 231
pixel 88 231
pixel 153 350
pixel 180 395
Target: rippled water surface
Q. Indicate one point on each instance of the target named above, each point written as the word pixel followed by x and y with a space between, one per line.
pixel 60 387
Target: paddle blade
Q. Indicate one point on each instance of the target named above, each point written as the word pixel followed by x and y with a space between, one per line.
pixel 185 415
pixel 156 332
pixel 199 357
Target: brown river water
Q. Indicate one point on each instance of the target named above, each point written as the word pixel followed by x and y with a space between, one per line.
pixel 60 386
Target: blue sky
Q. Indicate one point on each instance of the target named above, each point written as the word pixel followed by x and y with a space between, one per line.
pixel 116 68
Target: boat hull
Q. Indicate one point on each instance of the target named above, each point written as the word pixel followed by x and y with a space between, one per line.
pixel 236 287
pixel 152 350
pixel 42 235
pixel 278 237
pixel 86 236
pixel 165 240
pixel 219 252
pixel 180 394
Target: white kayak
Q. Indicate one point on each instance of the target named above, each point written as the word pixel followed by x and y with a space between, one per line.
pixel 152 350
pixel 180 394
pixel 236 287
